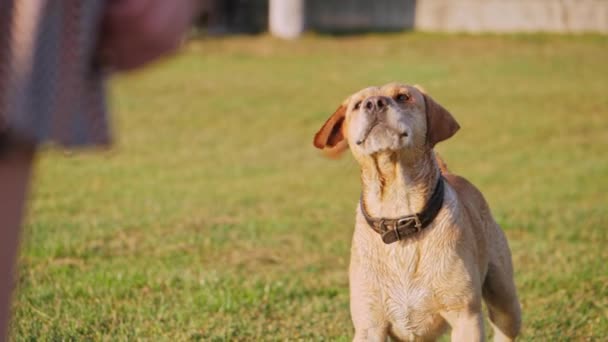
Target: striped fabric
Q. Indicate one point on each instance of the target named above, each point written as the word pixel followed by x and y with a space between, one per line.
pixel 50 88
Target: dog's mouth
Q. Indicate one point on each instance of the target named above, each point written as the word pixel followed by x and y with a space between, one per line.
pixel 367 132
pixel 370 128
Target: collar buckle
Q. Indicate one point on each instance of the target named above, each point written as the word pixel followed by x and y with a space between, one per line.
pixel 404 222
pixel 395 229
pixel 397 234
pixel 418 223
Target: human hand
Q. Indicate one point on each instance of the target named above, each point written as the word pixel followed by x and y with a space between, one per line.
pixel 137 32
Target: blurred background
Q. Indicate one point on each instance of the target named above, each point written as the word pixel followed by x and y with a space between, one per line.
pixel 213 217
pixel 288 18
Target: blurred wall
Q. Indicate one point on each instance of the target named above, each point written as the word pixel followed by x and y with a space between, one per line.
pixel 233 16
pixel 512 15
pixel 251 16
pixel 360 15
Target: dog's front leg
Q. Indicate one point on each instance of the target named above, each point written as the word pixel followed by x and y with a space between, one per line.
pixel 370 334
pixel 466 326
pixel 366 306
pixel 369 322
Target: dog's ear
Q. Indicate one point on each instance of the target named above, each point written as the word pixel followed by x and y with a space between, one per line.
pixel 336 151
pixel 440 124
pixel 330 135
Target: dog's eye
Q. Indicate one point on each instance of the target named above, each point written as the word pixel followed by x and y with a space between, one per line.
pixel 357 105
pixel 402 97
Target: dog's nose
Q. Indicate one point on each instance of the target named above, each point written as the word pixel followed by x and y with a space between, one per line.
pixel 376 103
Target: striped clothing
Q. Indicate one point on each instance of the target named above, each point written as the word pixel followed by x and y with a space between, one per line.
pixel 51 90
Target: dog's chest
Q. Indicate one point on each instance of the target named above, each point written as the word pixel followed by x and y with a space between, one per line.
pixel 408 301
pixel 410 308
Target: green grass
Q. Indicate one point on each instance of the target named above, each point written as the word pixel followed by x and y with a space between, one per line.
pixel 213 217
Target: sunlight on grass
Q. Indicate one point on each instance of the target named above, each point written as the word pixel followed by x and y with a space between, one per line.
pixel 213 217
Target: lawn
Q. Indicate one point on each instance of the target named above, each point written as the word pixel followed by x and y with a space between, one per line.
pixel 214 218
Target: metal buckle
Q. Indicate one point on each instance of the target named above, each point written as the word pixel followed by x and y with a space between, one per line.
pixel 396 230
pixel 403 222
pixel 418 224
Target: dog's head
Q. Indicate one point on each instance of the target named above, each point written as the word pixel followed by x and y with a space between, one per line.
pixel 391 118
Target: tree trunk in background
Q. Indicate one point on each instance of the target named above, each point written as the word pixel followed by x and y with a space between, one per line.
pixel 286 18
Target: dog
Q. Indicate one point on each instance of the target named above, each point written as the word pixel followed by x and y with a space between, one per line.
pixel 425 248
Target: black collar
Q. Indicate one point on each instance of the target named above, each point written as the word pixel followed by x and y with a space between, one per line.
pixel 395 229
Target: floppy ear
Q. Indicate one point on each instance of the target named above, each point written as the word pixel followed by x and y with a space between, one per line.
pixel 336 151
pixel 440 124
pixel 331 133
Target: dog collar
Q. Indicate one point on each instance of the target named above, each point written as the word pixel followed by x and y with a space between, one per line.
pixel 404 227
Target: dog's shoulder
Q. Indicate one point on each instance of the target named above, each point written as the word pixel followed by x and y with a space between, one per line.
pixel 466 192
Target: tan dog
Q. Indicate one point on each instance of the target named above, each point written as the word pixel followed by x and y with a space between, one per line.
pixel 413 275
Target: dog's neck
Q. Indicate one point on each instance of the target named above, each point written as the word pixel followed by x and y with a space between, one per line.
pixel 398 184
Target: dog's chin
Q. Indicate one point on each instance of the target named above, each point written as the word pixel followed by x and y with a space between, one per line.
pixel 387 141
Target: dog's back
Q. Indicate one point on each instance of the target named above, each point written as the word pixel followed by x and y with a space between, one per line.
pixel 493 252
